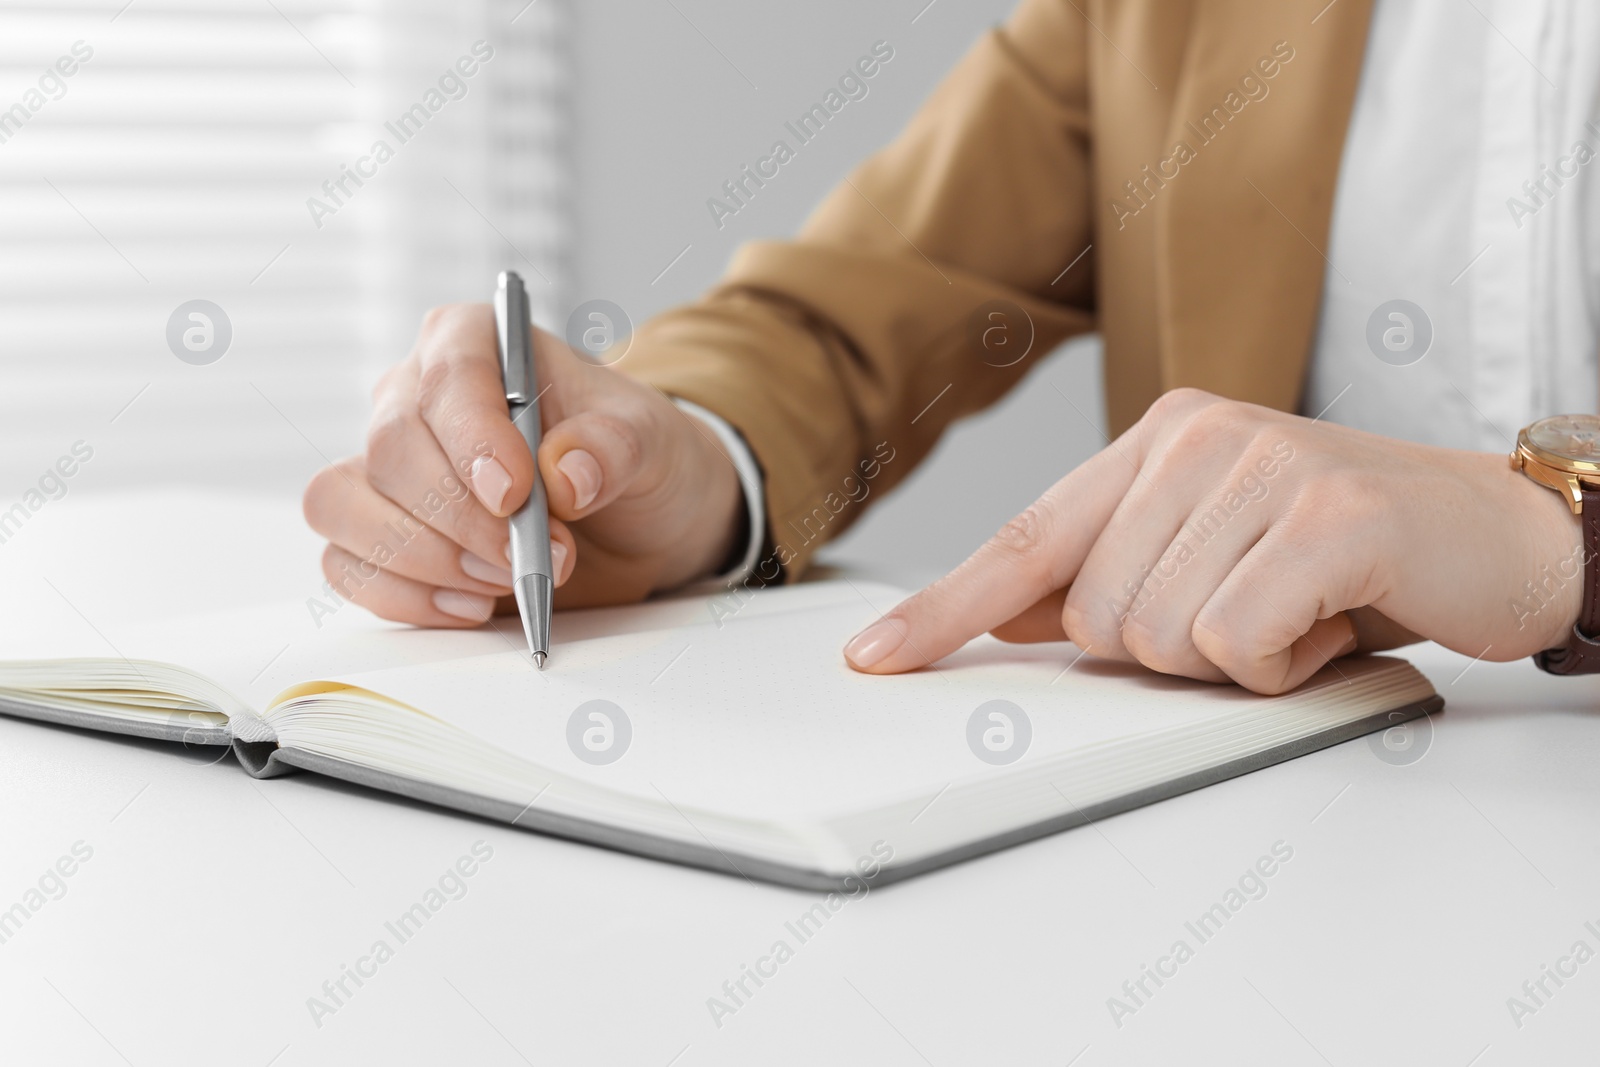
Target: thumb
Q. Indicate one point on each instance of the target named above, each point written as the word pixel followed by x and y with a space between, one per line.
pixel 589 460
pixel 1041 621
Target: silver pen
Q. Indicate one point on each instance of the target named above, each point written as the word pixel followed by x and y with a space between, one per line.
pixel 531 574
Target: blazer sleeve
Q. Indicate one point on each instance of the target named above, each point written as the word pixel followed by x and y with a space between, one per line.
pixel 842 354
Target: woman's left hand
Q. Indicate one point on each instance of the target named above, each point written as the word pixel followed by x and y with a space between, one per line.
pixel 1221 540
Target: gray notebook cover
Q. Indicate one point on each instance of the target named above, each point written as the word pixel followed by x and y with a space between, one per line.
pixel 262 757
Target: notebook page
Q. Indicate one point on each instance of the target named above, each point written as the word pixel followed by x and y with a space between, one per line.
pixel 255 653
pixel 760 716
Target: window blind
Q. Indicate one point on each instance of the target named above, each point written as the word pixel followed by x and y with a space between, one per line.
pixel 159 152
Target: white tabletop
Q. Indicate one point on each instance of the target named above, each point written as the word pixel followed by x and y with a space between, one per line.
pixel 1422 891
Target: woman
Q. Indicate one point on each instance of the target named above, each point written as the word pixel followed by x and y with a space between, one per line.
pixel 1375 215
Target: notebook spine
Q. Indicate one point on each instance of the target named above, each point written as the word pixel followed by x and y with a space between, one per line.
pixel 255 746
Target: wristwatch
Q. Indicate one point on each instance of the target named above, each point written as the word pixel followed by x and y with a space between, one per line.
pixel 1563 453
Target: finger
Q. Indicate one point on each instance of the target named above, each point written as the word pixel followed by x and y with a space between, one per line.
pixel 1275 620
pixel 563 552
pixel 1376 632
pixel 591 459
pixel 340 505
pixel 563 557
pixel 461 398
pixel 406 465
pixel 391 596
pixel 598 576
pixel 1197 455
pixel 1158 630
pixel 1039 621
pixel 1036 553
pixel 1108 589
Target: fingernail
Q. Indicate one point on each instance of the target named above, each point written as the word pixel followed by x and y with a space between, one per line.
pixel 1348 647
pixel 558 559
pixel 583 471
pixel 463 605
pixel 478 567
pixel 873 645
pixel 490 481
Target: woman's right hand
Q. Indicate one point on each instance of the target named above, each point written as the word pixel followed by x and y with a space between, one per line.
pixel 642 496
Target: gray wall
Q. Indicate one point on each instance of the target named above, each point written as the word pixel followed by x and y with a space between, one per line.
pixel 672 98
pixel 664 115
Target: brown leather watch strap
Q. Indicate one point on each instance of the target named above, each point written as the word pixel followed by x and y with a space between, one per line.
pixel 1582 652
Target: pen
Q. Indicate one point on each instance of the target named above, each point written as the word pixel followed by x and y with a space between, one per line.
pixel 530 524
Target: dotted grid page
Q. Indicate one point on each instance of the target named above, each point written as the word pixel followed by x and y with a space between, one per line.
pixel 259 651
pixel 760 717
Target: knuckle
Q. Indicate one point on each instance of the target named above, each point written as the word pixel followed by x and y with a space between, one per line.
pixel 1264 684
pixel 1238 653
pixel 1261 461
pixel 1025 535
pixel 1213 426
pixel 389 441
pixel 1179 403
pixel 438 315
pixel 325 493
pixel 389 381
pixel 381 387
pixel 317 501
pixel 1154 645
pixel 1271 442
pixel 1074 623
pixel 332 555
pixel 1087 628
pixel 434 381
pixel 1213 639
pixel 351 578
pixel 1184 423
pixel 621 439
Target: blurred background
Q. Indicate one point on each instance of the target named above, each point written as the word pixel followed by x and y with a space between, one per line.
pixel 197 152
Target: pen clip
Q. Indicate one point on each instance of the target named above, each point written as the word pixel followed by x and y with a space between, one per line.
pixel 512 327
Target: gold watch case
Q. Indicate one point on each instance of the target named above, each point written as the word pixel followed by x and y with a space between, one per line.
pixel 1561 452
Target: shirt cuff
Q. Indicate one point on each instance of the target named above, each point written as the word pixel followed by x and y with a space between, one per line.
pixel 750 480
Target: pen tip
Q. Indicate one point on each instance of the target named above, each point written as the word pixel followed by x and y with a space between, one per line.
pixel 538 660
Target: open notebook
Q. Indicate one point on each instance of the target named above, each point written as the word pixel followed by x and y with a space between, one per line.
pixel 740 743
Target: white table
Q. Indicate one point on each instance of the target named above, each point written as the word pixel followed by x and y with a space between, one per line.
pixel 1420 895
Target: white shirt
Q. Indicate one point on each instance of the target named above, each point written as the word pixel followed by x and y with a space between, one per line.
pixel 749 472
pixel 1463 190
pixel 1459 116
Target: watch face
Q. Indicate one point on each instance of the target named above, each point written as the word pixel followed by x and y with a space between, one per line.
pixel 1573 437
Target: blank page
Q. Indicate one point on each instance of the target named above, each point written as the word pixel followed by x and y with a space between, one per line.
pixel 759 716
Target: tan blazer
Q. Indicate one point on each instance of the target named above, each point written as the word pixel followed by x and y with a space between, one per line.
pixel 1191 145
